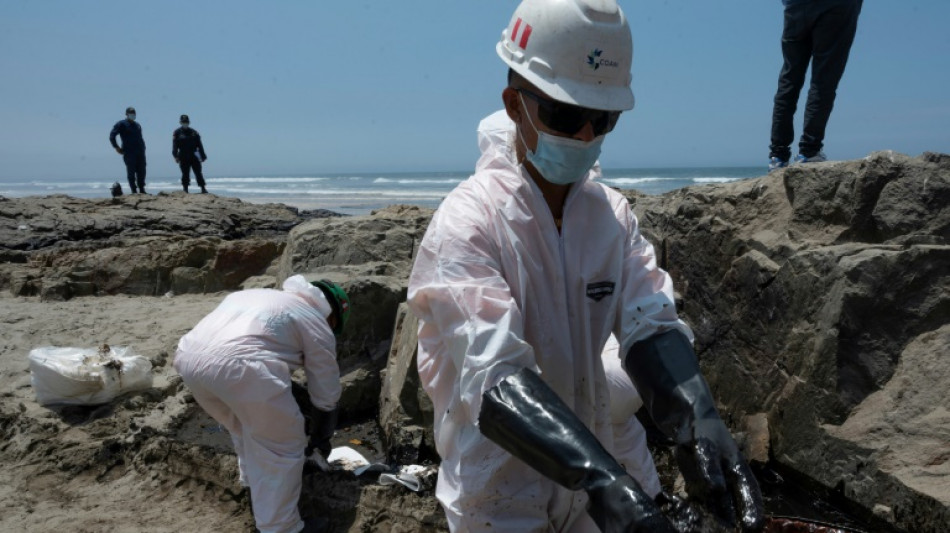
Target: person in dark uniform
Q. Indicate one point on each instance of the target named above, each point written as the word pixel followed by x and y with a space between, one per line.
pixel 189 153
pixel 820 33
pixel 132 149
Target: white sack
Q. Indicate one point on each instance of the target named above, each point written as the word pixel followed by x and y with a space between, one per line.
pixel 87 376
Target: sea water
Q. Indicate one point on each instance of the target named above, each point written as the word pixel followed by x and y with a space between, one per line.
pixel 360 193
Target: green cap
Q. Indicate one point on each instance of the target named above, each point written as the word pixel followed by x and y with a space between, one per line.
pixel 339 301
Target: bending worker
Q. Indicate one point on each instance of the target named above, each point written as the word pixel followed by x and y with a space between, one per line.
pixel 524 271
pixel 132 149
pixel 238 362
pixel 189 153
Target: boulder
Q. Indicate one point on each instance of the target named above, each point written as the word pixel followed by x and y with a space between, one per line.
pixel 41 222
pixel 58 247
pixel 405 410
pixel 142 266
pixel 370 257
pixel 810 291
pixel 382 243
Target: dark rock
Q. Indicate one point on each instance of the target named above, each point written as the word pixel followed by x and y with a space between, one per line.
pixel 405 410
pixel 370 257
pixel 807 290
pixel 59 247
pixel 40 222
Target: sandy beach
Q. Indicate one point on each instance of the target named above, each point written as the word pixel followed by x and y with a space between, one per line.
pixel 66 480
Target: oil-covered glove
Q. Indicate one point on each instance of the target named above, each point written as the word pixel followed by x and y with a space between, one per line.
pixel 322 426
pixel 529 420
pixel 667 375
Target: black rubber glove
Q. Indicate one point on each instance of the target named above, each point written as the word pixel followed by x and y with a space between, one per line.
pixel 665 370
pixel 322 426
pixel 529 420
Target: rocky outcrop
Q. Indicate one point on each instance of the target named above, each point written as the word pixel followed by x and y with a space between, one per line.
pixel 820 294
pixel 371 257
pixel 42 222
pixel 58 247
pixel 819 297
pixel 405 410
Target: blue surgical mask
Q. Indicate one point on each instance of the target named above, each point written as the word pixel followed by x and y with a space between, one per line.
pixel 562 160
pixel 130 116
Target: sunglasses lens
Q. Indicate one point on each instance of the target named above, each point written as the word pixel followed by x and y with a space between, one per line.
pixel 606 122
pixel 569 119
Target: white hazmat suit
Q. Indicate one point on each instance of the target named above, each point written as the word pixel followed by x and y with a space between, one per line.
pixel 497 288
pixel 630 439
pixel 238 363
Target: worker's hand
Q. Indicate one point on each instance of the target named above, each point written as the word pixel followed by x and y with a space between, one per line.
pixel 322 426
pixel 622 506
pixel 666 373
pixel 718 477
pixel 178 160
pixel 119 150
pixel 523 415
pixel 203 159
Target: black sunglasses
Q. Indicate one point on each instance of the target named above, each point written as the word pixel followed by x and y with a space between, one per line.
pixel 569 119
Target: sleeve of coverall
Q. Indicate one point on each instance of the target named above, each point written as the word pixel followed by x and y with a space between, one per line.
pixel 319 362
pixel 201 147
pixel 647 303
pixel 457 290
pixel 175 145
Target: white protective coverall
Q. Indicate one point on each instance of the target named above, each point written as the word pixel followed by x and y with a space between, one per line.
pixel 238 362
pixel 497 289
pixel 630 439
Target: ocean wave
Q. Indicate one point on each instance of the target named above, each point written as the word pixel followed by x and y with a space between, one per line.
pixel 264 179
pixel 352 193
pixel 620 182
pixel 422 181
pixel 714 179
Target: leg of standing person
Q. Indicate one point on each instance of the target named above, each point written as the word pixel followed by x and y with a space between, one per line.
pixel 185 171
pixel 796 51
pixel 199 177
pixel 140 173
pixel 832 37
pixel 130 172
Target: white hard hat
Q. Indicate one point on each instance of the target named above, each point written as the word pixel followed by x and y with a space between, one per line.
pixel 576 51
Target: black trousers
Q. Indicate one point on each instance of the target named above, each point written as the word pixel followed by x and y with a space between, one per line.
pixel 819 32
pixel 135 170
pixel 187 164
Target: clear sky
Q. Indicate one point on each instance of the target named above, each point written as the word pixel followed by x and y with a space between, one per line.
pixel 294 88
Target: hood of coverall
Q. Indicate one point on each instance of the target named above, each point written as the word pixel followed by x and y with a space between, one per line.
pixel 314 296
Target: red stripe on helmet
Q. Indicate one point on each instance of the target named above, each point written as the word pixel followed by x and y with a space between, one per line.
pixel 524 36
pixel 514 31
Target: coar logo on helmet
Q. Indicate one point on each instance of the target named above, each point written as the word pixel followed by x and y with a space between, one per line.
pixel 594 60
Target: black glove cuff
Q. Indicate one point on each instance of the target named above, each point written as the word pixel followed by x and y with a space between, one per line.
pixel 322 426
